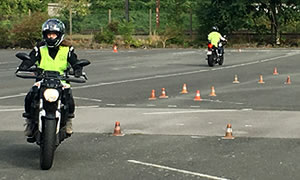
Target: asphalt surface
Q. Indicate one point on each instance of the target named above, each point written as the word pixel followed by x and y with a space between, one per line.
pixel 173 138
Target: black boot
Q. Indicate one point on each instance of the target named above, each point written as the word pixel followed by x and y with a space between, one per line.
pixel 29 128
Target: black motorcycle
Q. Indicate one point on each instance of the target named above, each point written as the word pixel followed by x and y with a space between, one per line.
pixel 215 55
pixel 49 110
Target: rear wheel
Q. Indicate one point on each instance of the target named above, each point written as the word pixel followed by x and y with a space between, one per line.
pixel 48 144
pixel 211 59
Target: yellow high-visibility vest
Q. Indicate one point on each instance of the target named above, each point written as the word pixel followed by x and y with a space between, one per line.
pixel 59 63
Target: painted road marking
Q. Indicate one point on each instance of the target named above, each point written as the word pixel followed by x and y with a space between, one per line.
pixel 172 75
pixel 88 99
pixel 183 73
pixel 131 105
pixel 9 110
pixel 12 96
pixel 177 170
pixel 196 111
pixel 22 108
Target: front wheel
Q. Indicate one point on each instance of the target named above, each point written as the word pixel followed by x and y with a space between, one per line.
pixel 221 60
pixel 48 144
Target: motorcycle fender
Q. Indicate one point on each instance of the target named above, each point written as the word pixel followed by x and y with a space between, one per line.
pixel 209 52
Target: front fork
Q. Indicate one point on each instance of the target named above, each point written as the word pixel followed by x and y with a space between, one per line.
pixel 42 115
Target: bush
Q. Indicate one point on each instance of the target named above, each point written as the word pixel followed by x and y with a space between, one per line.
pixel 108 34
pixel 4 36
pixel 126 31
pixel 27 32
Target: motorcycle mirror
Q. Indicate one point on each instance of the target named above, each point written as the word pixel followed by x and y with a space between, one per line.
pixel 82 62
pixel 23 56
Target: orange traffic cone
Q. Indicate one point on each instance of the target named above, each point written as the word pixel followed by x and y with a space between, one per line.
pixel 288 80
pixel 115 48
pixel 184 89
pixel 197 97
pixel 152 96
pixel 213 92
pixel 261 81
pixel 236 81
pixel 163 93
pixel 117 130
pixel 275 71
pixel 228 134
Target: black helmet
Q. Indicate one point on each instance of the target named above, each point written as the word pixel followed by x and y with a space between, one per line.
pixel 215 28
pixel 56 26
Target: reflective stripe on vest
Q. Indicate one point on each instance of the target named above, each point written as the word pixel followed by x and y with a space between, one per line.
pixel 60 63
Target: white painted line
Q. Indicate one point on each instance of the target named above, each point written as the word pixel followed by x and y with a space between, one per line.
pixel 177 170
pixel 88 99
pixel 250 109
pixel 196 137
pixel 131 105
pixel 194 106
pixel 172 106
pixel 6 63
pixel 84 107
pixel 110 104
pixel 12 96
pixel 151 105
pixel 196 111
pixel 9 110
pixel 22 109
pixel 179 124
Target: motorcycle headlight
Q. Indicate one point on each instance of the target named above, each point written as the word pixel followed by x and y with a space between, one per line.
pixel 51 95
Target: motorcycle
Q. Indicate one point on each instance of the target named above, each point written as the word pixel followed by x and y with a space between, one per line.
pixel 49 110
pixel 215 55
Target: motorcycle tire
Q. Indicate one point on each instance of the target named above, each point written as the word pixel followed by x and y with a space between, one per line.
pixel 48 144
pixel 211 60
pixel 221 60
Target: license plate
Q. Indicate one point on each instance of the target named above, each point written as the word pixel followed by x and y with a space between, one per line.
pixel 209 52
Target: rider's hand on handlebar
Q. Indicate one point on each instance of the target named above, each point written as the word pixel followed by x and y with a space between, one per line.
pixel 78 72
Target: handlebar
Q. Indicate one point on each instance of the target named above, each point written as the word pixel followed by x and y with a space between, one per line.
pixel 32 74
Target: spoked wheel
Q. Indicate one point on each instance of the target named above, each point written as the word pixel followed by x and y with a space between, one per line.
pixel 48 144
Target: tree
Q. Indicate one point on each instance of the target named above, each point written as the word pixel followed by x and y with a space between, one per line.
pixel 27 32
pixel 80 7
pixel 279 13
pixel 10 9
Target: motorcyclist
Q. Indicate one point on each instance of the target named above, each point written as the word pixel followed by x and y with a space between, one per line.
pixel 214 37
pixel 52 53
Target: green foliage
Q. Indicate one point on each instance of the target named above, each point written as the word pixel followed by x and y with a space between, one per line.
pixel 126 30
pixel 262 17
pixel 108 34
pixel 173 34
pixel 4 36
pixel 11 8
pixel 27 32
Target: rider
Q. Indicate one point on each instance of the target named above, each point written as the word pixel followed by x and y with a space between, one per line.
pixel 52 53
pixel 214 37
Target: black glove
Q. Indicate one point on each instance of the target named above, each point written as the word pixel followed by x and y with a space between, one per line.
pixel 23 66
pixel 78 71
